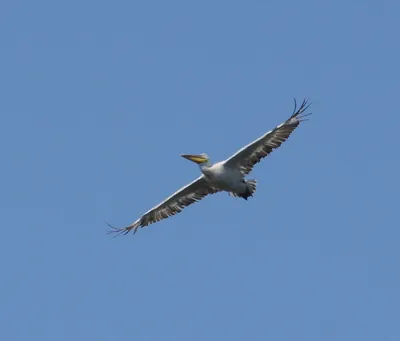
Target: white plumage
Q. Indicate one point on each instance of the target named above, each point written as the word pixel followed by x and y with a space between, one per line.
pixel 226 175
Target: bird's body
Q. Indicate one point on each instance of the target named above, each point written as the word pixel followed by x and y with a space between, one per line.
pixel 228 175
pixel 224 178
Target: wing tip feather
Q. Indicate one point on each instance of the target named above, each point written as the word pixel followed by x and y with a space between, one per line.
pixel 298 113
pixel 124 230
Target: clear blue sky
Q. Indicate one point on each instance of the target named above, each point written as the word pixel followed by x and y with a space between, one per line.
pixel 98 99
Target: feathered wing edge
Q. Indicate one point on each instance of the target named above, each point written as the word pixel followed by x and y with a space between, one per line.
pixel 251 154
pixel 174 204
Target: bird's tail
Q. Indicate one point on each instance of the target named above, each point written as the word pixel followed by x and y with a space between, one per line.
pixel 251 186
pixel 250 189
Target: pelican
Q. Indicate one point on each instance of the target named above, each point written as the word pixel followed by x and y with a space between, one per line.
pixel 228 175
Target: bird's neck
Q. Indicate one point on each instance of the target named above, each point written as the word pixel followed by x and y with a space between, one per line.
pixel 205 166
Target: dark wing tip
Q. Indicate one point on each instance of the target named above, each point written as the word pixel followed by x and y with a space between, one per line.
pixel 298 112
pixel 123 230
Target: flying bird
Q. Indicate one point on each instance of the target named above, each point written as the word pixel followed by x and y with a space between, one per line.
pixel 228 175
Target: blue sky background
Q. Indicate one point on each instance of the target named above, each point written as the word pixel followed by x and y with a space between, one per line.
pixel 98 99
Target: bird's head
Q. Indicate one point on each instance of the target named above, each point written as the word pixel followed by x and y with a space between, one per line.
pixel 197 158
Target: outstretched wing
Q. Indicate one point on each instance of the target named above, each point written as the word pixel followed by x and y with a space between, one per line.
pixel 174 204
pixel 248 156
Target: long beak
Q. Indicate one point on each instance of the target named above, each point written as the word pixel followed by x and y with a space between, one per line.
pixel 195 158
